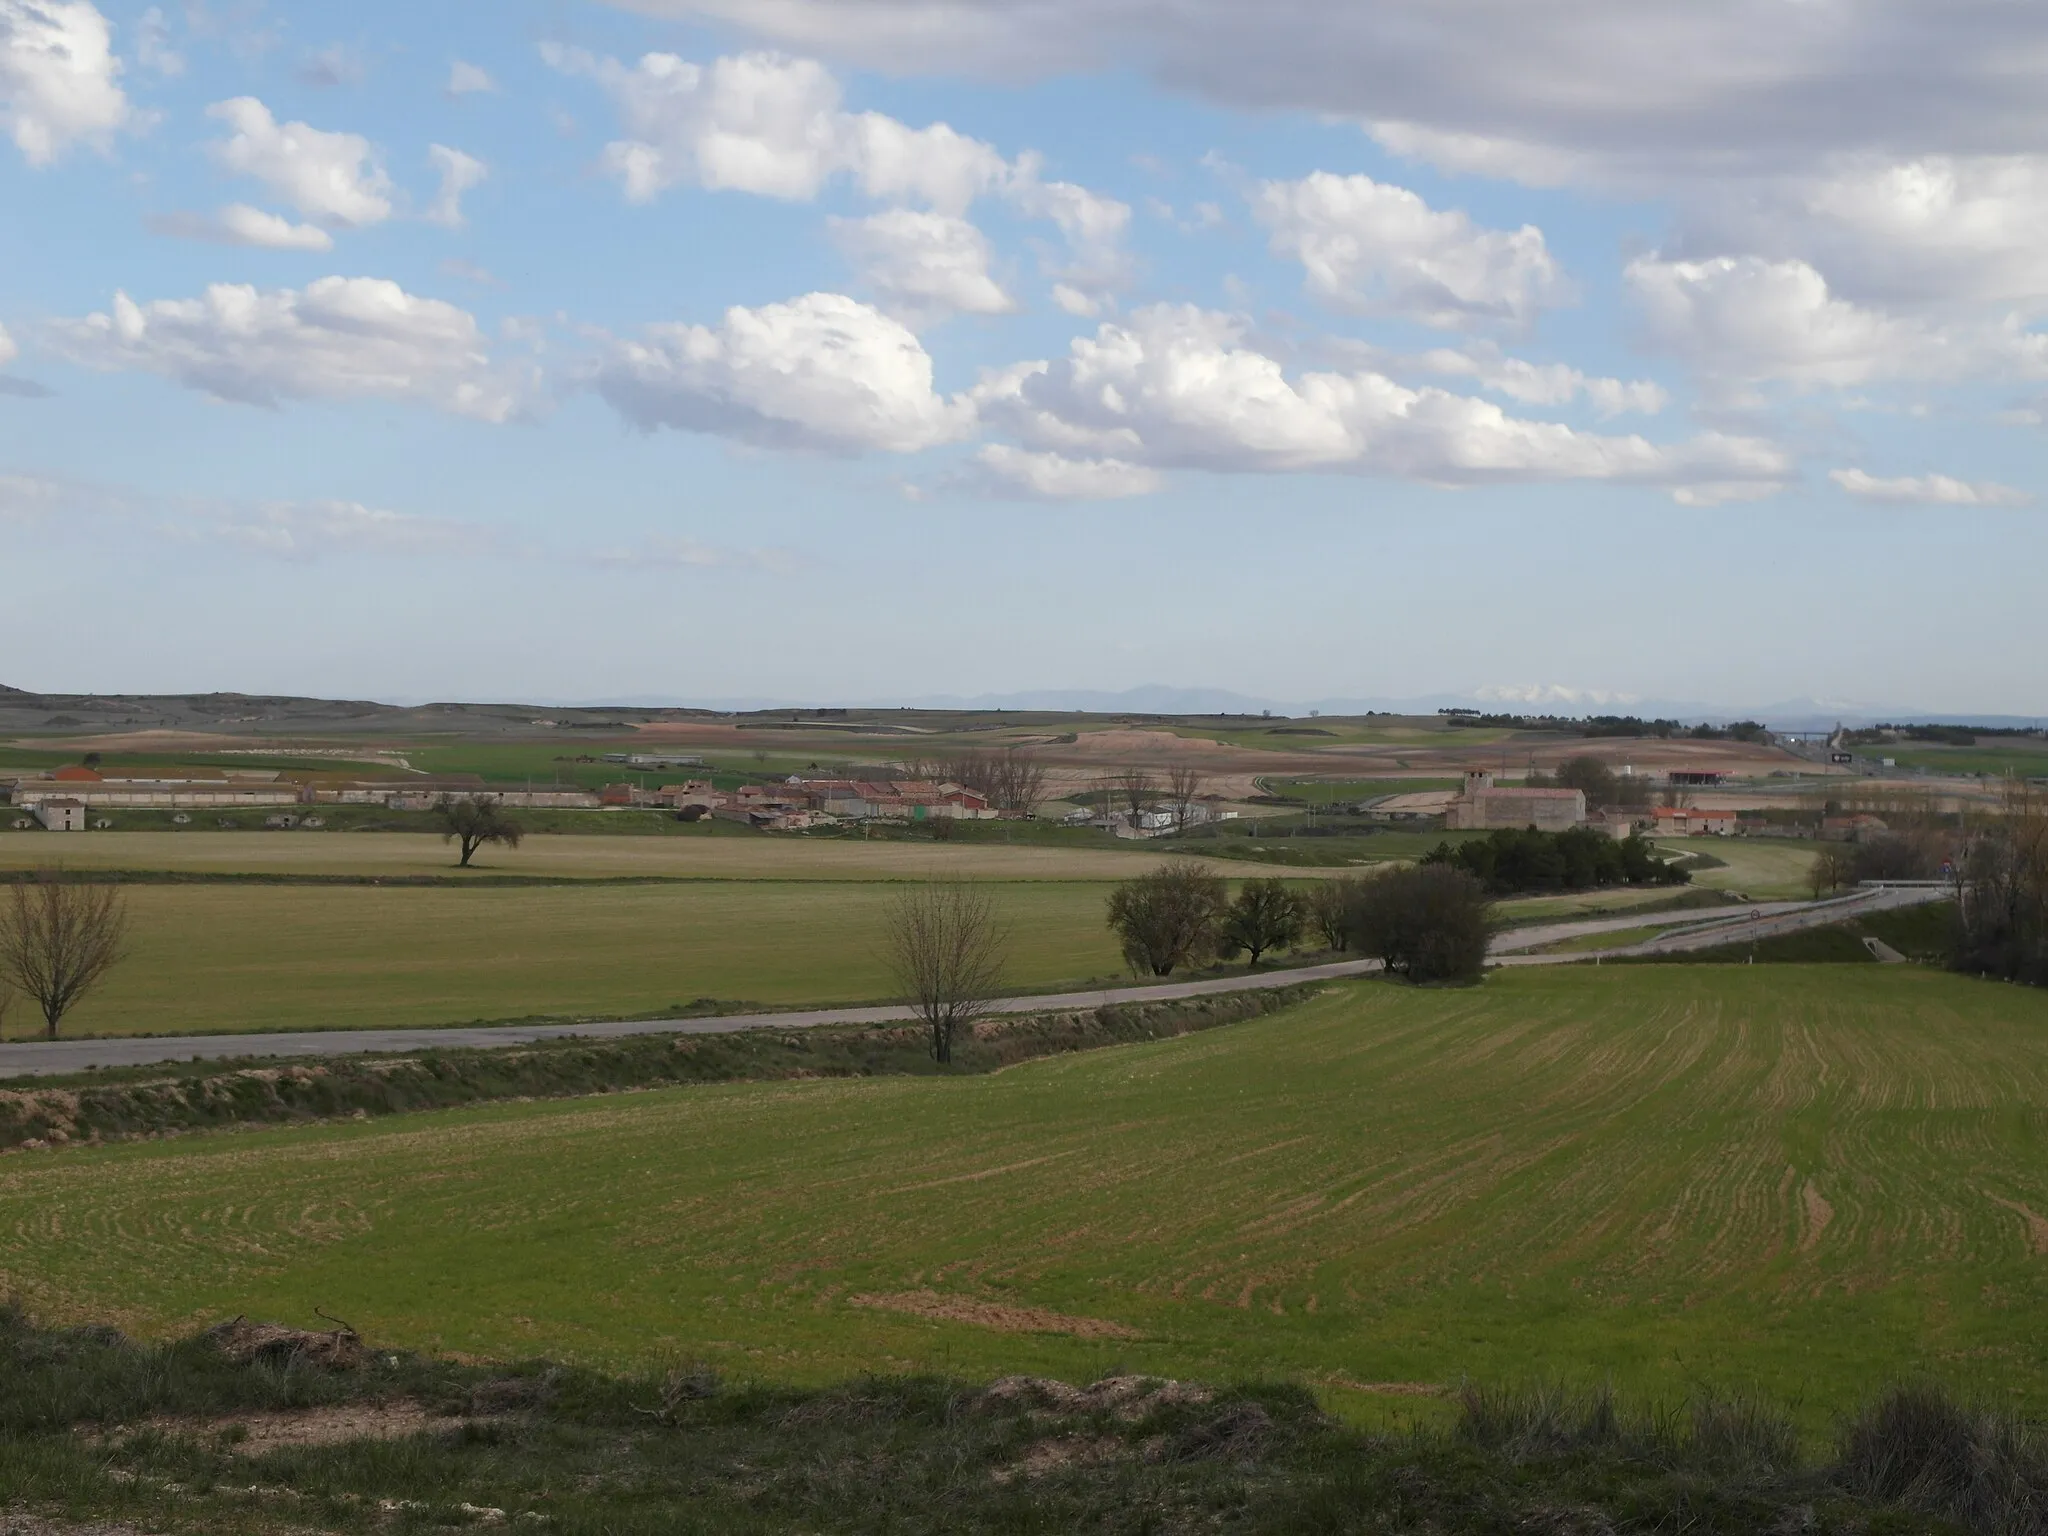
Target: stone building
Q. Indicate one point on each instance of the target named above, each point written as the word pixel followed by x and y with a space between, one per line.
pixel 1485 807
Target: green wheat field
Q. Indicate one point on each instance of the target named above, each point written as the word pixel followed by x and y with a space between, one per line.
pixel 1808 1180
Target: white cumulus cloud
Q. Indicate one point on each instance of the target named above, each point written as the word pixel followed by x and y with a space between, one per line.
pixel 822 372
pixel 338 338
pixel 1752 319
pixel 239 224
pixel 776 126
pixel 59 79
pixel 9 349
pixel 331 178
pixel 1931 232
pixel 1930 490
pixel 923 265
pixel 1055 477
pixel 1536 383
pixel 1094 227
pixel 465 79
pixel 1179 387
pixel 459 172
pixel 1372 247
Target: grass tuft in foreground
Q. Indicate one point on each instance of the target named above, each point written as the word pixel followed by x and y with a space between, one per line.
pixel 246 1428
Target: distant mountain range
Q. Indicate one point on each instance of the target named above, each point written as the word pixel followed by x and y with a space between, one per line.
pixel 22 710
pixel 1162 699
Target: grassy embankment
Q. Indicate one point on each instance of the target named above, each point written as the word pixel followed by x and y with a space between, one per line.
pixel 1805 1180
pixel 253 1429
pixel 133 1103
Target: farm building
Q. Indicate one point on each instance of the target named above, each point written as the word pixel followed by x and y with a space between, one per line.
pixel 146 794
pixel 1617 823
pixel 1673 821
pixel 893 800
pixel 1485 807
pixel 61 815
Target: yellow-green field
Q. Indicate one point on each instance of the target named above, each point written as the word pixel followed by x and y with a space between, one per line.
pixel 1764 869
pixel 680 857
pixel 1806 1180
pixel 220 958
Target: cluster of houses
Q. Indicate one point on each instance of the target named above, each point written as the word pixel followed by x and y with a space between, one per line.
pixel 66 800
pixel 70 800
pixel 1485 806
pixel 798 804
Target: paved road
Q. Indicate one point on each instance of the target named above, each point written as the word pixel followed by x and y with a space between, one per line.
pixel 45 1059
pixel 1747 925
pixel 1515 939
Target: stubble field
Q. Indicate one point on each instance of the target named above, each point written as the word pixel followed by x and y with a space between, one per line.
pixel 682 857
pixel 1805 1180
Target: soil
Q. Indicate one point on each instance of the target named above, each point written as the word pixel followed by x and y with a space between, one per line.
pixel 252 1434
pixel 999 1316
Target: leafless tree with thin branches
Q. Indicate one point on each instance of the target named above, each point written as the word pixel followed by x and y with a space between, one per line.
pixel 1134 789
pixel 1012 780
pixel 1183 784
pixel 57 939
pixel 947 947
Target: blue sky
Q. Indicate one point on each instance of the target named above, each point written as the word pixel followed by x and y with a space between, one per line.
pixel 876 349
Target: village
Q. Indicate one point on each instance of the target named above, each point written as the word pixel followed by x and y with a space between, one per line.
pixel 79 797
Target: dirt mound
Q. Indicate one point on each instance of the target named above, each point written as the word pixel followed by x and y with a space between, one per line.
pixel 251 1434
pixel 1130 1398
pixel 1237 1433
pixel 1050 1456
pixel 242 1341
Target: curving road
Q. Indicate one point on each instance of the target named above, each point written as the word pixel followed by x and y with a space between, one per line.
pixel 51 1058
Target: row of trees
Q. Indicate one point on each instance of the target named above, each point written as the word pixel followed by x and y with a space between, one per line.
pixel 1510 861
pixel 1908 853
pixel 1131 792
pixel 1428 923
pixel 1012 781
pixel 1601 784
pixel 2002 893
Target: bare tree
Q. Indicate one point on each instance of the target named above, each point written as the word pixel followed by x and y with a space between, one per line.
pixel 57 939
pixel 1019 782
pixel 2002 892
pixel 474 820
pixel 1134 789
pixel 1183 783
pixel 946 948
pixel 1009 779
pixel 1831 869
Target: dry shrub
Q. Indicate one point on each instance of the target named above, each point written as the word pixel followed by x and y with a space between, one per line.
pixel 1918 1446
pixel 339 1348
